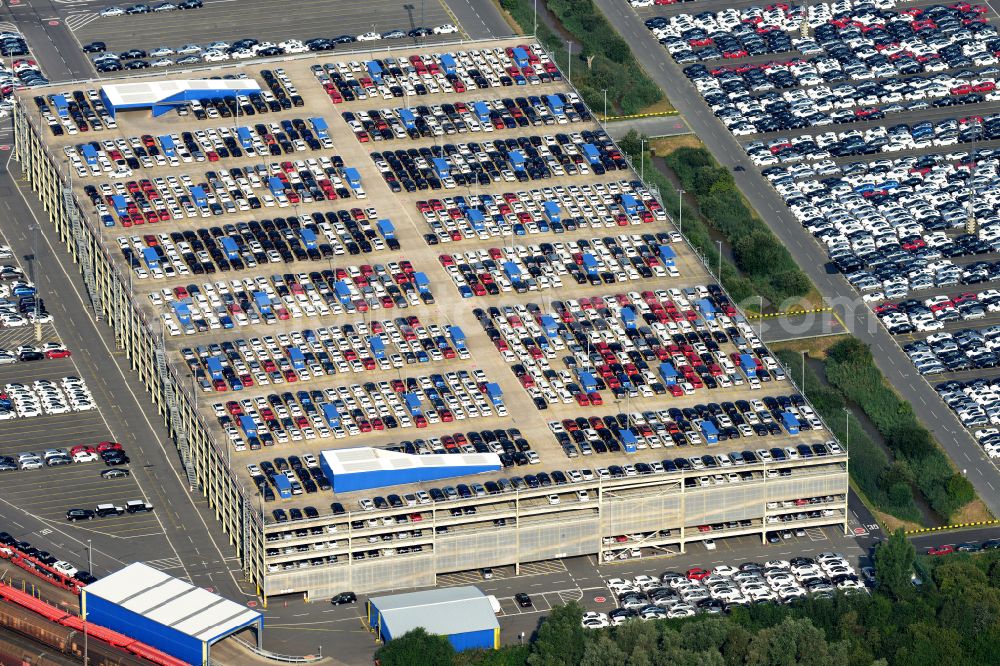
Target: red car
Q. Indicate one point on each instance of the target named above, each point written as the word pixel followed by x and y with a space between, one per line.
pixel 57 353
pixel 108 446
pixel 697 573
pixel 941 550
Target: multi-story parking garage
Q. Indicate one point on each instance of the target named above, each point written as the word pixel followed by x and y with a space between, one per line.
pixel 238 248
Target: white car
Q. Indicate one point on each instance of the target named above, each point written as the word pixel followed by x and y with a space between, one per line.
pixel 84 456
pixel 368 37
pixel 162 62
pixel 65 568
pixel 445 29
pixel 188 48
pixel 112 11
pixel 161 51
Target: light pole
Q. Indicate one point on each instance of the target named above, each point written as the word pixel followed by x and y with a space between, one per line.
pixel 847 425
pixel 719 243
pixel 90 557
pixel 642 160
pixel 803 373
pixel 534 18
pixel 680 209
pixel 605 91
pixel 569 61
pixel 760 326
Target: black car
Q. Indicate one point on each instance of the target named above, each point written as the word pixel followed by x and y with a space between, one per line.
pixel 112 458
pixel 523 600
pixel 74 515
pixel 115 473
pixel 95 47
pixel 85 577
pixel 344 598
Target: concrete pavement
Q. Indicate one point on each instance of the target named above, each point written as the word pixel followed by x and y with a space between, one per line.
pixel 859 319
pixel 651 127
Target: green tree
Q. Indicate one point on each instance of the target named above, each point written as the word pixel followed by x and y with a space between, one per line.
pixel 631 143
pixel 603 652
pixel 894 565
pixel 758 253
pixel 793 642
pixel 560 640
pixel 416 648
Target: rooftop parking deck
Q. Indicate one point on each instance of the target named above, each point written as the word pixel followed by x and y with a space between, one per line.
pixel 290 306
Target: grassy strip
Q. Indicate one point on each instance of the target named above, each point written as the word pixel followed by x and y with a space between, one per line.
pixel 613 67
pixel 769 268
pixel 851 368
pixel 871 470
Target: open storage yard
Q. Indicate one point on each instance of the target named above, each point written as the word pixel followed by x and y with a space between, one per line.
pixel 876 124
pixel 289 269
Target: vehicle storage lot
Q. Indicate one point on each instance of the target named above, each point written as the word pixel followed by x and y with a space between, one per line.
pixel 50 491
pixel 263 20
pixel 877 132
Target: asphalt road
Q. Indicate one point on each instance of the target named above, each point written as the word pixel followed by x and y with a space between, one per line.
pixel 859 319
pixel 53 46
pixel 191 548
pixel 480 18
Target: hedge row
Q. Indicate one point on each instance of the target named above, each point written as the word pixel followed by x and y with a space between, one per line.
pixel 885 484
pixel 758 253
pixel 613 68
pixel 851 369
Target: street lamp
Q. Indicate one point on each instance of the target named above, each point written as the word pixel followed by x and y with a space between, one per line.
pixel 760 327
pixel 642 159
pixel 569 61
pixel 847 423
pixel 605 91
pixel 719 243
pixel 680 209
pixel 534 18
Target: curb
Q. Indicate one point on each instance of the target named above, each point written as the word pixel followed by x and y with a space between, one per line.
pixel 945 528
pixel 642 115
pixel 791 313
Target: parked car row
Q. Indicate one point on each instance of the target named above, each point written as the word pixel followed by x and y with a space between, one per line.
pixel 882 223
pixel 646 344
pixel 512 160
pixel 745 112
pixel 109 509
pixel 975 401
pixel 26 353
pixel 877 139
pixel 422 121
pixel 110 453
pixel 433 73
pixel 100 158
pixel 245 48
pixel 13 44
pixel 714 591
pixel 690 426
pixel 143 8
pixel 966 349
pixel 556 209
pixel 595 261
pixel 351 410
pixel 26 72
pixel 238 189
pixel 325 351
pixel 246 245
pixel 44 396
pixel 932 313
pixel 861 33
pixel 279 297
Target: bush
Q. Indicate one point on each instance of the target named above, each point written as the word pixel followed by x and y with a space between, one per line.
pixel 758 254
pixel 885 485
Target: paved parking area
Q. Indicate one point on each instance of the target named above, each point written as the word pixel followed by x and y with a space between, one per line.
pixel 260 19
pixel 49 492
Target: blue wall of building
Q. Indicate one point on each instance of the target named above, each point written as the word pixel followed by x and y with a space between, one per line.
pixel 344 483
pixel 472 640
pixel 143 629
